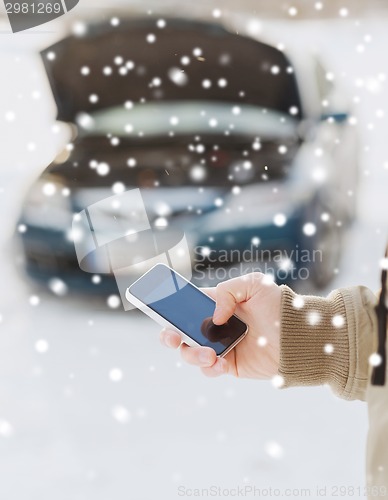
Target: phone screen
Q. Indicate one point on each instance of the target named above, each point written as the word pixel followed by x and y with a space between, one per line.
pixel 186 307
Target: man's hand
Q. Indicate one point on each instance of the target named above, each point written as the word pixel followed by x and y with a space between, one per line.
pixel 256 300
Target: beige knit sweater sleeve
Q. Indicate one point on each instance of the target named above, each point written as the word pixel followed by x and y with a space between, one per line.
pixel 328 340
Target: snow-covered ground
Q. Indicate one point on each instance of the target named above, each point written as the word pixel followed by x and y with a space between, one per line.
pixel 70 432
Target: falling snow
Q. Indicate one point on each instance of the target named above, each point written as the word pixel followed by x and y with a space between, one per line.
pixel 41 346
pixel 375 359
pixel 113 301
pixel 58 286
pixel 121 414
pixel 115 375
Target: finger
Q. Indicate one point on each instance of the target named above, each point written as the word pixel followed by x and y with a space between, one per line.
pixel 220 367
pixel 198 356
pixel 169 338
pixel 228 295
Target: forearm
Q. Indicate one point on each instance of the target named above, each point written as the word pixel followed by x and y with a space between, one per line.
pixel 328 340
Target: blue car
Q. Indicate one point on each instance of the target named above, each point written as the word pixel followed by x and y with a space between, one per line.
pixel 247 149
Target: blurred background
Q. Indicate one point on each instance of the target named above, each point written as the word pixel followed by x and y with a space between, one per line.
pixel 91 407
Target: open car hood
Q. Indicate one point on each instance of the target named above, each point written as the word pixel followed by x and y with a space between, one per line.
pixel 238 68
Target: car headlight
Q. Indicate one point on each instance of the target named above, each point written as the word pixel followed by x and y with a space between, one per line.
pixel 48 205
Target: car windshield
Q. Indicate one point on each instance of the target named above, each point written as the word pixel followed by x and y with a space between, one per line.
pixel 187 118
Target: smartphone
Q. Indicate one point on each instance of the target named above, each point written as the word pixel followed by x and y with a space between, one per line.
pixel 175 303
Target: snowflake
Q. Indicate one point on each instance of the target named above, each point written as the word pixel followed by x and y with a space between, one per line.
pixel 103 169
pixel 328 348
pixel 274 450
pixel 115 375
pixel 292 11
pixel 96 279
pixel 34 300
pixel 113 301
pixel 6 429
pixel 197 173
pixel 41 346
pixel 10 116
pixel 93 98
pixel 309 229
pixel 343 12
pixel 384 263
pixel 121 414
pixel 286 264
pixel 197 52
pixel 375 359
pixel 298 302
pixel 161 222
pixel 58 286
pixel 118 187
pixel 280 220
pixel 319 174
pixel 79 28
pixel 205 251
pixel 338 320
pixel 177 76
pixel 313 318
pixel 84 120
pixel 156 82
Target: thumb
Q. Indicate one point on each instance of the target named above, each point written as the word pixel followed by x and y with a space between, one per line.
pixel 228 295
